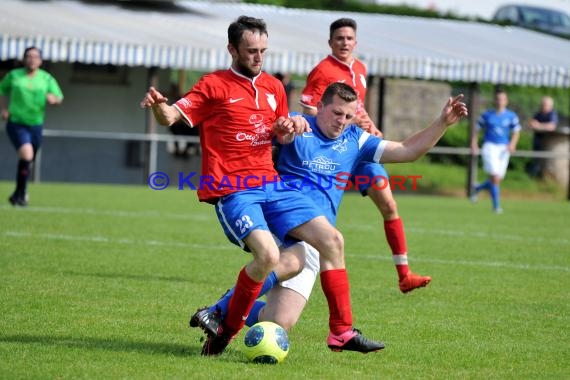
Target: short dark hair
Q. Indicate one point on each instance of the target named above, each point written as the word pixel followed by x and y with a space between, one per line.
pixel 344 91
pixel 341 23
pixel 500 90
pixel 29 48
pixel 243 23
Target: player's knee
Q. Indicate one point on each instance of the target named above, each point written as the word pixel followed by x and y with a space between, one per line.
pixel 389 208
pixel 26 152
pixel 267 260
pixel 332 243
pixel 385 202
pixel 290 265
pixel 286 321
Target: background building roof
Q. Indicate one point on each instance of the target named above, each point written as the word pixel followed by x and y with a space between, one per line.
pixel 193 35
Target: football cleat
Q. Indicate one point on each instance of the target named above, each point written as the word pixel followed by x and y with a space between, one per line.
pixel 18 200
pixel 207 321
pixel 13 200
pixel 413 281
pixel 353 340
pixel 216 344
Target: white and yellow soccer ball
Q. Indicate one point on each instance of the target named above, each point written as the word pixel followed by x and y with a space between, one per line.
pixel 266 343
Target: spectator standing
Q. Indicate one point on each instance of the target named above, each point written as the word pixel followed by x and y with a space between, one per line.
pixel 545 120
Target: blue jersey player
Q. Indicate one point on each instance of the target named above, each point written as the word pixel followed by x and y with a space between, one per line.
pixel 343 66
pixel 501 134
pixel 321 166
pixel 319 162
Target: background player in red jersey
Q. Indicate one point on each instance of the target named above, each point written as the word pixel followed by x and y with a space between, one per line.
pixel 342 66
pixel 239 110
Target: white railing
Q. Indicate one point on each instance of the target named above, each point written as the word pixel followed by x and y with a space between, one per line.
pixel 152 138
pixel 155 138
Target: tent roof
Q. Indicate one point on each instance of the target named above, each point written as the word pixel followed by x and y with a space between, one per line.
pixel 193 35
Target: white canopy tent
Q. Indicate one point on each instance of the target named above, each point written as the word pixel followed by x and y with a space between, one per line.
pixel 192 35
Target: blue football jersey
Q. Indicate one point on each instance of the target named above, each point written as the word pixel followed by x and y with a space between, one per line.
pixel 498 126
pixel 321 166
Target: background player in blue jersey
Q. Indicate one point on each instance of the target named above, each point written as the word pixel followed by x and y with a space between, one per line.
pixel 501 134
pixel 319 163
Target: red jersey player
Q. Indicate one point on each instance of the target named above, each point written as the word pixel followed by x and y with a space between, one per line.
pixel 236 115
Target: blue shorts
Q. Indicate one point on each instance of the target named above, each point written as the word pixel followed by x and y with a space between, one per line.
pixel 274 207
pixel 21 134
pixel 366 174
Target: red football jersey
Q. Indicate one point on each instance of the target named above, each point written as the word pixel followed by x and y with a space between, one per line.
pixel 235 115
pixel 331 70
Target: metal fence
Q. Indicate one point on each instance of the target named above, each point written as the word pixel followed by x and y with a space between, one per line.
pixel 152 141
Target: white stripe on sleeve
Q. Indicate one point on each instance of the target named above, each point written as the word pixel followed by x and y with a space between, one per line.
pixel 380 151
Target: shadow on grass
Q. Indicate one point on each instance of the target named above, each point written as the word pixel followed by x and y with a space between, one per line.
pixel 105 344
pixel 126 276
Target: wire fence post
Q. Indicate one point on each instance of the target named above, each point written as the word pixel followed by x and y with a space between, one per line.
pixel 473 107
pixel 151 149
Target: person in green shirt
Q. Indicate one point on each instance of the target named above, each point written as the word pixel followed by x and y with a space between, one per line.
pixel 27 90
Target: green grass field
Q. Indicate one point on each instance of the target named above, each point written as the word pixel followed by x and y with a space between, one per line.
pixel 98 282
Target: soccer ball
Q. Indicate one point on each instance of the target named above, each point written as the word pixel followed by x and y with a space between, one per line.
pixel 266 343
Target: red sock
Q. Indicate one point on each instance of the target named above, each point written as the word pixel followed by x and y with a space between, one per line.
pixel 245 294
pixel 337 290
pixel 397 240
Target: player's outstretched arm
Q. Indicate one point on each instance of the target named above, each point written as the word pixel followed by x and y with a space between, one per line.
pixel 164 114
pixel 421 142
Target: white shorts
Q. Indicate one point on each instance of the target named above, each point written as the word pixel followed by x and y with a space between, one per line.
pixel 495 158
pixel 304 281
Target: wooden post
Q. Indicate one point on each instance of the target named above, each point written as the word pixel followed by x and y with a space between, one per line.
pixel 150 151
pixel 473 107
pixel 181 83
pixel 381 97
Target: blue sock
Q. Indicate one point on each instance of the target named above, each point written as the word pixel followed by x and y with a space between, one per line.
pixel 223 303
pixel 485 185
pixel 495 196
pixel 253 316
